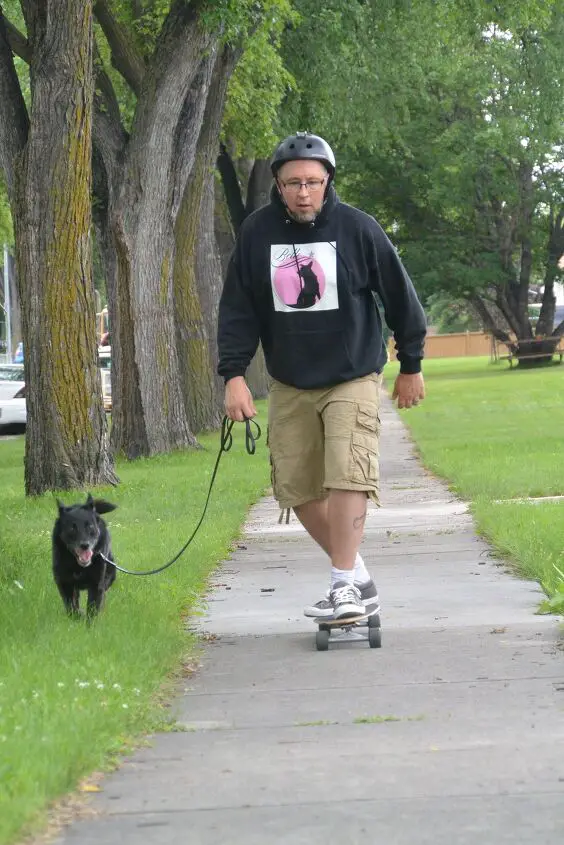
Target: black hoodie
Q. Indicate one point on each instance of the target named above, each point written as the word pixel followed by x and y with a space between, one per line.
pixel 305 290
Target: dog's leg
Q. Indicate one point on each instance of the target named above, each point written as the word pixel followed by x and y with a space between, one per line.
pixel 95 602
pixel 71 598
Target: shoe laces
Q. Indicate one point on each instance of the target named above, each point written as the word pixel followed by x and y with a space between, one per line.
pixel 348 592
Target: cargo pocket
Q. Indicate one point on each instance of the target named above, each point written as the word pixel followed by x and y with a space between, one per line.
pixel 367 417
pixel 364 459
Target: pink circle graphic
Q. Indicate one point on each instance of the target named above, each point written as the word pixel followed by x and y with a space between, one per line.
pixel 300 290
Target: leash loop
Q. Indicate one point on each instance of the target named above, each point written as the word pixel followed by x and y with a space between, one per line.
pixel 226 443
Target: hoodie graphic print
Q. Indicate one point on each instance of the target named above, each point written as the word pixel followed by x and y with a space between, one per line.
pixel 304 277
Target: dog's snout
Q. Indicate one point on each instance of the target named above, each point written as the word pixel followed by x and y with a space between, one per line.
pixel 85 546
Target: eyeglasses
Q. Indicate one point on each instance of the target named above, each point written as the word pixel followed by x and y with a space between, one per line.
pixel 293 186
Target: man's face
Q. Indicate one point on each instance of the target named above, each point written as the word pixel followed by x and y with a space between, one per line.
pixel 302 186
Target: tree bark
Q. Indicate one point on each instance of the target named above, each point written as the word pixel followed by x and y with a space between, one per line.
pixel 144 199
pixel 260 182
pixel 526 229
pixel 231 187
pixel 555 251
pixel 66 443
pixel 197 271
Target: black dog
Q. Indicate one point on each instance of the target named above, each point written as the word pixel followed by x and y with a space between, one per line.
pixel 80 538
pixel 309 292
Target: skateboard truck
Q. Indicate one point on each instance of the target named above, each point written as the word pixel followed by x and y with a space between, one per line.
pixel 351 628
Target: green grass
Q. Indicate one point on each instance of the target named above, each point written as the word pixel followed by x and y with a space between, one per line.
pixel 72 697
pixel 375 720
pixel 496 434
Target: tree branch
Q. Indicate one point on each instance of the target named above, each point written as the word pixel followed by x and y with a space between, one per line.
pixel 191 117
pixel 18 42
pixel 487 318
pixel 125 57
pixel 231 188
pixel 14 120
pixel 108 135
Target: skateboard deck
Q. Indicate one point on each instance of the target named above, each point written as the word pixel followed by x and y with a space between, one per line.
pixel 343 621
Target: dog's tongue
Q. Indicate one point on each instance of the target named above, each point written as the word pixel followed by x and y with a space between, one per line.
pixel 84 555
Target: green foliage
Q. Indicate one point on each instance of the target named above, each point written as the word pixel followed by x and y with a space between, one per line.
pixel 480 100
pixel 555 604
pixel 6 231
pixel 256 91
pixel 144 20
pixel 238 20
pixel 446 314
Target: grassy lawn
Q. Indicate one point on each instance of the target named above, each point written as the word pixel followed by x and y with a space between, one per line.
pixel 72 697
pixel 496 434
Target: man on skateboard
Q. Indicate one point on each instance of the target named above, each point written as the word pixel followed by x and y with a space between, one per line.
pixel 325 355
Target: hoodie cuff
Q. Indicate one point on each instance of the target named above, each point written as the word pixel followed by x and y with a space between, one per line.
pixel 410 366
pixel 233 374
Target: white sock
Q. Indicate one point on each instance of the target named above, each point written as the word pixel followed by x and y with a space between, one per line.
pixel 361 574
pixel 344 575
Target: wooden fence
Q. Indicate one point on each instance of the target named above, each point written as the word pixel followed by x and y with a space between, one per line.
pixel 458 345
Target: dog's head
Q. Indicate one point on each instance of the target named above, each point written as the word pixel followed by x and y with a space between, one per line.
pixel 79 527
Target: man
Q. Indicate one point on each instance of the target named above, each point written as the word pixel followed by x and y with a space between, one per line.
pixel 302 280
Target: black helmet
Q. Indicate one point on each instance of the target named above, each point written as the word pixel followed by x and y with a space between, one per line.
pixel 303 145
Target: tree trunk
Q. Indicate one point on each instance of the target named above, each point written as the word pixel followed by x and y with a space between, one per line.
pixel 223 228
pixel 66 443
pixel 260 182
pixel 197 271
pixel 209 281
pixel 545 324
pixel 231 187
pixel 526 229
pixel 150 415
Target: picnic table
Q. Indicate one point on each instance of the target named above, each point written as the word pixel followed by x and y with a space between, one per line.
pixel 534 348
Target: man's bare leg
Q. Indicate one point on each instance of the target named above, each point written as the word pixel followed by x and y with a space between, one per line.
pixel 346 515
pixel 336 524
pixel 314 518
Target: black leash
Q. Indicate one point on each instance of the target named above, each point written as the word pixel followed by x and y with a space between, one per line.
pixel 225 446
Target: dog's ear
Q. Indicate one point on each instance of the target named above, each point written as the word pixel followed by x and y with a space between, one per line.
pixel 90 502
pixel 101 506
pixel 61 506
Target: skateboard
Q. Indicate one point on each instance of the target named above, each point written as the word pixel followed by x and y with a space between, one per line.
pixel 350 628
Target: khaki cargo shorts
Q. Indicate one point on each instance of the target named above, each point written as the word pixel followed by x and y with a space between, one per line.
pixel 324 439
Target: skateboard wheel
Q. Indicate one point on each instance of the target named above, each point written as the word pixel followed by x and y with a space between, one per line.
pixel 374 621
pixel 374 637
pixel 322 640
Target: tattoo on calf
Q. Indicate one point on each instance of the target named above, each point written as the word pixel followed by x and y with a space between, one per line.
pixel 358 521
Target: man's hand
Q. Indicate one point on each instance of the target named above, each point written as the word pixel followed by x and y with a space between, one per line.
pixel 409 390
pixel 239 403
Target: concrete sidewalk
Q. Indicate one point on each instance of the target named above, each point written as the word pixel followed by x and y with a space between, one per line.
pixel 284 743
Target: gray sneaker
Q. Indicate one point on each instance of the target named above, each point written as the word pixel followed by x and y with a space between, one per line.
pixel 346 600
pixel 368 595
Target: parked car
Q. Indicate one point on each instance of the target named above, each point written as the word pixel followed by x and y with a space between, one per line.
pixel 10 373
pixel 12 391
pixel 12 406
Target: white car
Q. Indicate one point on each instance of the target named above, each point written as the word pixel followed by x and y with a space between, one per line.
pixel 12 398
